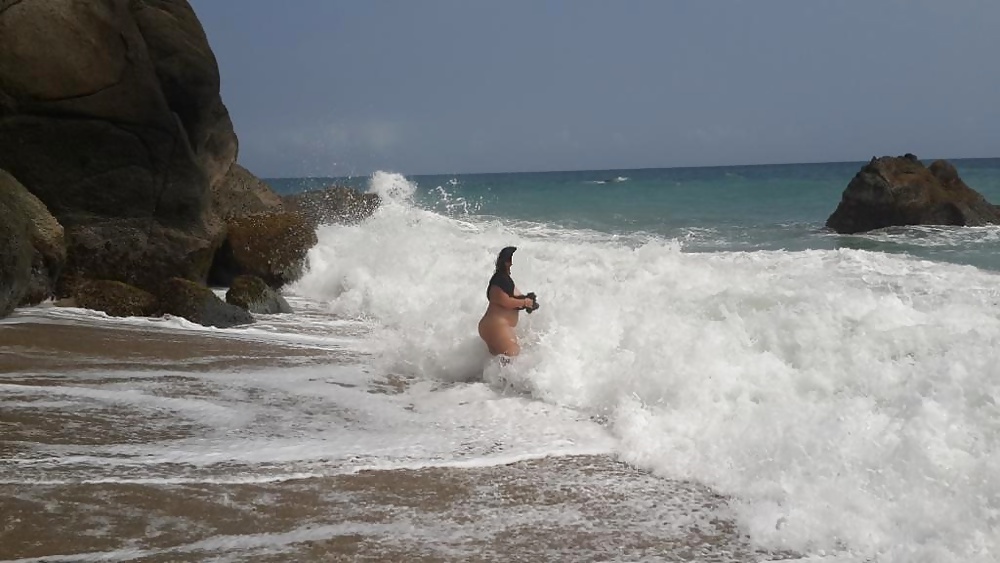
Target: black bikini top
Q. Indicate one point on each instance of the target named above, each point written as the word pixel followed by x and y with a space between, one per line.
pixel 503 281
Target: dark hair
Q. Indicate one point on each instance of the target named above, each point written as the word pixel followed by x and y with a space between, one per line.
pixel 506 255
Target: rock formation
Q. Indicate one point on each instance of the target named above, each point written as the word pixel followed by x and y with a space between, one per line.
pixel 110 113
pixel 32 251
pixel 896 191
pixel 115 298
pixel 15 256
pixel 252 294
pixel 271 246
pixel 199 304
pixel 241 194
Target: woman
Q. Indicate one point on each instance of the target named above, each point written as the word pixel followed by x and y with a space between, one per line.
pixel 496 328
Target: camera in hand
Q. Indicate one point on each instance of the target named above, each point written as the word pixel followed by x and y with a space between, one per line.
pixel 534 303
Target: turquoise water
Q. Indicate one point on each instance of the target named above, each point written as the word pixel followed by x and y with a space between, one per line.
pixel 733 208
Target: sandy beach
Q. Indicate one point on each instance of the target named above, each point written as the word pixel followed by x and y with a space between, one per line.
pixel 572 508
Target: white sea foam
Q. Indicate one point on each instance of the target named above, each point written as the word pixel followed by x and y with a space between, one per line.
pixel 847 400
pixel 266 425
pixel 935 236
pixel 309 325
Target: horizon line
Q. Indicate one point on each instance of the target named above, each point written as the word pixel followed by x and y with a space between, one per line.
pixel 621 169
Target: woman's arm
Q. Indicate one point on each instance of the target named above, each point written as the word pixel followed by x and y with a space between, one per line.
pixel 499 297
pixel 519 295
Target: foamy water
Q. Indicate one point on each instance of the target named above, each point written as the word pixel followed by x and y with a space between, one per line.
pixel 177 450
pixel 847 400
pixel 312 420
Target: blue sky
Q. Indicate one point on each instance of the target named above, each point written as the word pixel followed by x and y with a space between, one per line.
pixel 325 87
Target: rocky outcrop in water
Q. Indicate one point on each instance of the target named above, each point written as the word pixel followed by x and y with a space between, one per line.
pixel 897 191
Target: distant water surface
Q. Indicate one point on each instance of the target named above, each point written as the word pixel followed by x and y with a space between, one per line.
pixel 764 207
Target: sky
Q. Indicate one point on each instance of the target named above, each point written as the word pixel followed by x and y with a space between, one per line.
pixel 344 88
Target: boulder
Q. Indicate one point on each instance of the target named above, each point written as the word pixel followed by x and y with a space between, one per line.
pixel 268 236
pixel 15 257
pixel 335 204
pixel 44 235
pixel 270 246
pixel 199 304
pixel 252 294
pixel 897 191
pixel 110 114
pixel 115 298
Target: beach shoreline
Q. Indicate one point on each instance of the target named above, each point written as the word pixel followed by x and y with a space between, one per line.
pixel 574 507
pixel 559 508
pixel 42 348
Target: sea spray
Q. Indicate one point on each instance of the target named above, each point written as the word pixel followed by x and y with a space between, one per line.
pixel 846 400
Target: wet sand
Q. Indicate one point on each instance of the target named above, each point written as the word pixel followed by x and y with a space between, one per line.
pixel 554 509
pixel 577 508
pixel 44 347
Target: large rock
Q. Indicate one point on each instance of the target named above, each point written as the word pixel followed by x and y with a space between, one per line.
pixel 133 251
pixel 267 236
pixel 15 257
pixel 189 79
pixel 270 246
pixel 897 191
pixel 252 294
pixel 199 304
pixel 241 194
pixel 110 113
pixel 44 236
pixel 115 298
pixel 335 204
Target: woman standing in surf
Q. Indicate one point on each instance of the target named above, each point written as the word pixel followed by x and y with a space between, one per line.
pixel 496 328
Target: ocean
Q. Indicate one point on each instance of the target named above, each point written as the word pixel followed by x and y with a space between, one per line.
pixel 829 398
